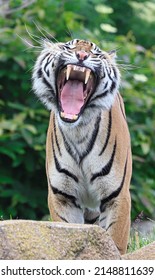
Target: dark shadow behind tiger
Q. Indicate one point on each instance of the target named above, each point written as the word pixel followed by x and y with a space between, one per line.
pixel 88 153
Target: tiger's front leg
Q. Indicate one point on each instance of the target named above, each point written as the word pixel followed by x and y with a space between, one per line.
pixel 117 222
pixel 63 207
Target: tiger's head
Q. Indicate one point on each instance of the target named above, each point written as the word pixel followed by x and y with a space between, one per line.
pixel 72 77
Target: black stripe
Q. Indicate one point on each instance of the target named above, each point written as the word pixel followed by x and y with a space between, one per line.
pixel 109 70
pixel 106 85
pixel 48 96
pixel 110 77
pixel 63 170
pixel 102 219
pixel 108 134
pixel 100 95
pixel 112 87
pixel 44 58
pixel 67 196
pixel 121 107
pixel 112 223
pixel 48 73
pixel 62 218
pixel 55 134
pixel 91 221
pixel 115 193
pixel 106 169
pixel 39 73
pixel 92 138
pixel 96 60
pixel 47 63
pixel 60 169
pixel 68 147
pixel 114 70
pixel 47 83
pixel 92 106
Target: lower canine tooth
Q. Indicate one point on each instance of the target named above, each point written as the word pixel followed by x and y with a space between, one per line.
pixel 62 114
pixel 74 117
pixel 88 71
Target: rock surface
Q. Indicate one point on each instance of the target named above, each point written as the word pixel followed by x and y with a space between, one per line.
pixel 22 240
pixel 145 253
pixel 29 240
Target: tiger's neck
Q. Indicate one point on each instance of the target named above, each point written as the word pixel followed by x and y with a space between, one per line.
pixel 79 140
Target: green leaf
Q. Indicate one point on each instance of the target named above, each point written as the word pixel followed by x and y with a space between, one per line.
pixel 140 78
pixel 5 180
pixel 30 128
pixel 103 9
pixel 145 148
pixel 108 28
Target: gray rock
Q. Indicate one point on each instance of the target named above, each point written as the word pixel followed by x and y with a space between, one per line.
pixel 145 253
pixel 29 240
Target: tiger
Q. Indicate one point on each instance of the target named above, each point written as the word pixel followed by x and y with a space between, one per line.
pixel 88 149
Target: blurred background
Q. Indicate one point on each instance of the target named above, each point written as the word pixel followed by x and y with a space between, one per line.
pixel 128 27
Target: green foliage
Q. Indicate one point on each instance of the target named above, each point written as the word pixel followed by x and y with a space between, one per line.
pixel 24 121
pixel 22 161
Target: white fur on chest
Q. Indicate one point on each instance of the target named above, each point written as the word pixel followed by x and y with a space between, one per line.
pixel 83 165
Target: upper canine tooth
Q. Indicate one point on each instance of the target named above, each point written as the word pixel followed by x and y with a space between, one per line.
pixel 69 68
pixel 88 71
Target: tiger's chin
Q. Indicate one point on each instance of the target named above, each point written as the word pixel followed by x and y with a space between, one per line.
pixel 75 86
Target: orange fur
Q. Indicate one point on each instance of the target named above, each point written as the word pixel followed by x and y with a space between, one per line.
pixel 88 159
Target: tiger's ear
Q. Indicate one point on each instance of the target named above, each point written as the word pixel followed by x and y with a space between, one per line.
pixel 112 54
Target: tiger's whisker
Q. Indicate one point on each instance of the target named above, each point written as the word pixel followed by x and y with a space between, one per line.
pixel 50 35
pixel 33 36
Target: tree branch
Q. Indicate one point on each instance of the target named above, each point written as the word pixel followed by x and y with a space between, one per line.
pixel 6 11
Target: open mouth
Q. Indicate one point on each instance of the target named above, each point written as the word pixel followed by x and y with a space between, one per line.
pixel 75 85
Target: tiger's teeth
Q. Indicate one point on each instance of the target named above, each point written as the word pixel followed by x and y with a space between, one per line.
pixel 78 68
pixel 68 116
pixel 74 117
pixel 62 114
pixel 88 71
pixel 68 70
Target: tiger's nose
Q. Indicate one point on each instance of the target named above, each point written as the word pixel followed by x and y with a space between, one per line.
pixel 81 55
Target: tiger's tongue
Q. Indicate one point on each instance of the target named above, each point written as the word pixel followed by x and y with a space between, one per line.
pixel 72 98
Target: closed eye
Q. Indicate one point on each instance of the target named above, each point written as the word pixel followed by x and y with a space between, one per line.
pixel 103 56
pixel 99 54
pixel 70 47
pixel 96 52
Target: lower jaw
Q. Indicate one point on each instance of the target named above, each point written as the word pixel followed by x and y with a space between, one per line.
pixel 69 117
pixel 69 120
